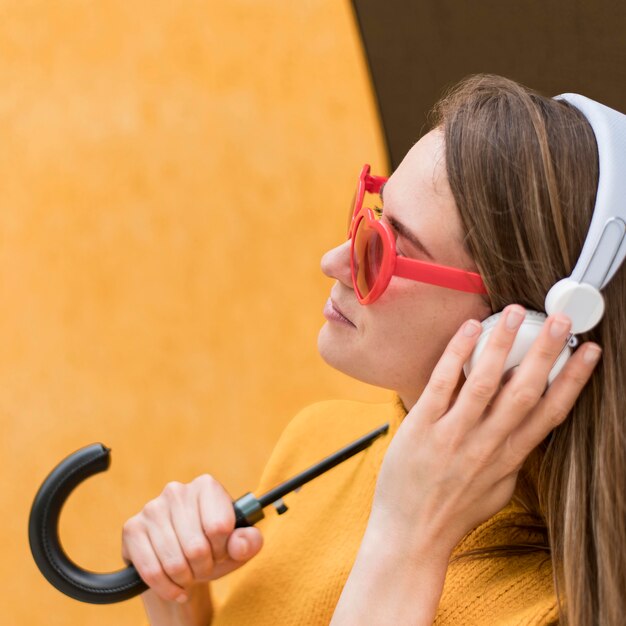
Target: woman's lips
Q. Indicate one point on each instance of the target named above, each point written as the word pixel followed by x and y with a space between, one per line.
pixel 333 314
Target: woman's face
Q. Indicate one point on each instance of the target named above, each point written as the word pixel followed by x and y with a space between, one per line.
pixel 396 341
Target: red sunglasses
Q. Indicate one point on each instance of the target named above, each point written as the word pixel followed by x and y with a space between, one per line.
pixel 373 258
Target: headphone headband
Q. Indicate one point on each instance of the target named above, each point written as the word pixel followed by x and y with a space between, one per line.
pixel 604 249
pixel 605 245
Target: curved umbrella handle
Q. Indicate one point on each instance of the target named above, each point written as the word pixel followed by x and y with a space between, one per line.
pixel 80 584
pixel 43 534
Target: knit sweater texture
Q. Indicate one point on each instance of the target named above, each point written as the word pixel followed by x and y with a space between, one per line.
pixel 308 552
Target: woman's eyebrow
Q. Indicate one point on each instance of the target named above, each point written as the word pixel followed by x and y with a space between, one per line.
pixel 403 231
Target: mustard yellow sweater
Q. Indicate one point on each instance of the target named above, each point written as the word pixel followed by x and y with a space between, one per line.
pixel 299 574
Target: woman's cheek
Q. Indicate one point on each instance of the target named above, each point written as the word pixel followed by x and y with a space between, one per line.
pixel 416 326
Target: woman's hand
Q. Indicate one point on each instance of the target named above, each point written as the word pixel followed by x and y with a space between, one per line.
pixel 454 461
pixel 187 536
pixel 453 464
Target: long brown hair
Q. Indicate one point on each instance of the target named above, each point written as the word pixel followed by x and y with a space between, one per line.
pixel 524 171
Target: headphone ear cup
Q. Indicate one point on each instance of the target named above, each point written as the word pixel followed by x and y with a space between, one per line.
pixel 526 335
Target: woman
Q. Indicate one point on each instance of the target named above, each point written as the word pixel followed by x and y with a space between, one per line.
pixel 490 501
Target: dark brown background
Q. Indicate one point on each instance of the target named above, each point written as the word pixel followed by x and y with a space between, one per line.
pixel 416 49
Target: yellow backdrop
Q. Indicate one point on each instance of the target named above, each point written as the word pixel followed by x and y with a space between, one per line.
pixel 171 174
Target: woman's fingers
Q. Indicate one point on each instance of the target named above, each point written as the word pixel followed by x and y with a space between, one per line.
pixel 557 401
pixel 524 390
pixel 436 397
pixel 217 515
pixel 138 549
pixel 165 542
pixel 187 535
pixel 484 380
pixel 188 528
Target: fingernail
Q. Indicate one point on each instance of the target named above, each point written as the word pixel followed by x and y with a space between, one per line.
pixel 182 598
pixel 471 328
pixel 592 354
pixel 245 547
pixel 514 318
pixel 558 328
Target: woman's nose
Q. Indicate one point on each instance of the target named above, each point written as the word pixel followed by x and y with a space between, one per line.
pixel 336 264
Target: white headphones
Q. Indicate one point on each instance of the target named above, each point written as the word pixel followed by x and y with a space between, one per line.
pixel 603 252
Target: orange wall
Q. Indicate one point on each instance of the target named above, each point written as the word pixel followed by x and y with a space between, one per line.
pixel 171 174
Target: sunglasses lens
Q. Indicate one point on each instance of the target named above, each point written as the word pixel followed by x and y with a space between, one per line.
pixel 367 257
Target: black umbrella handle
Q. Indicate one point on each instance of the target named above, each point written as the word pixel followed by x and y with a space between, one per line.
pixel 80 584
pixel 43 532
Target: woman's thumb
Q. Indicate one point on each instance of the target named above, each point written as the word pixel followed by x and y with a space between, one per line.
pixel 242 545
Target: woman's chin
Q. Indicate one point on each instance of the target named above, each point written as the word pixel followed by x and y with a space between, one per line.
pixel 343 355
pixel 335 351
